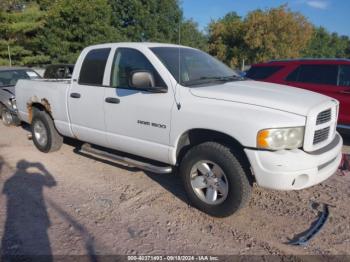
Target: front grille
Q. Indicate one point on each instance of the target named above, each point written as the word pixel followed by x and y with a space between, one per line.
pixel 324 117
pixel 321 135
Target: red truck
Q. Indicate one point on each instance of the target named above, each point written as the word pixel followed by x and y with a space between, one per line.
pixel 330 77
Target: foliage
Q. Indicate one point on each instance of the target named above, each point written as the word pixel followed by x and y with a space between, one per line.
pixel 262 35
pixel 147 20
pixel 226 38
pixel 72 25
pixel 191 36
pixel 18 29
pixel 53 31
pixel 326 45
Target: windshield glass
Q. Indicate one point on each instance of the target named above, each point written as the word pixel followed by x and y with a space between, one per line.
pixel 10 77
pixel 192 67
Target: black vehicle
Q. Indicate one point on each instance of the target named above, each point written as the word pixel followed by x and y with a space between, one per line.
pixel 8 79
pixel 61 71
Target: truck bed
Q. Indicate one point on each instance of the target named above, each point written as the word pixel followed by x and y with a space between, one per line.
pixel 49 92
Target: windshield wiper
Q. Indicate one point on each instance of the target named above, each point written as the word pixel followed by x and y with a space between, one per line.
pixel 209 79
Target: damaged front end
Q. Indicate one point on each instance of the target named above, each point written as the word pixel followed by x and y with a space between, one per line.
pixel 9 114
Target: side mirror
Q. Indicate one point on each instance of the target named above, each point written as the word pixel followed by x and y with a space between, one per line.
pixel 142 80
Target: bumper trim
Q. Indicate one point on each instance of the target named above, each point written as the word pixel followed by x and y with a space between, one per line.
pixel 313 230
pixel 330 146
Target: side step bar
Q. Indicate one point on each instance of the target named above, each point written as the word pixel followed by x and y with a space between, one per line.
pixel 125 161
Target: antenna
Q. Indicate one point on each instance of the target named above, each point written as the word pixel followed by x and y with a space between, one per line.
pixel 179 66
pixel 179 43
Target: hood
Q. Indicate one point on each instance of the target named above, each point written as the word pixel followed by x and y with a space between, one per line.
pixel 8 89
pixel 285 98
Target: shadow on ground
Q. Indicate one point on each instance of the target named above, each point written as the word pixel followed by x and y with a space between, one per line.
pixel 27 219
pixel 27 222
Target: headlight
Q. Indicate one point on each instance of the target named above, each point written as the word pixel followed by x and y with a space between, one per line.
pixel 281 138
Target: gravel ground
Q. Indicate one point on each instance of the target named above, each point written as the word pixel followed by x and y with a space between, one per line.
pixel 68 204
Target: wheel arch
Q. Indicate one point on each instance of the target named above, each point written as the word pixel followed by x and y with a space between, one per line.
pixel 42 105
pixel 197 136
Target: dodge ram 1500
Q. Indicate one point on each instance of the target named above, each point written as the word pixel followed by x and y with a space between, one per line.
pixel 172 107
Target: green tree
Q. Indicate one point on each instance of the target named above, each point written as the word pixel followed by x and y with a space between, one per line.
pixel 326 45
pixel 147 20
pixel 18 28
pixel 191 36
pixel 72 25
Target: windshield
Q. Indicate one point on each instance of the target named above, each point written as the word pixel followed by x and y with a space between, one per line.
pixel 192 67
pixel 10 77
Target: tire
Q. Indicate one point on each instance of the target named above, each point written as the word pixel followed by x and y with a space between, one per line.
pixel 42 124
pixel 6 117
pixel 227 176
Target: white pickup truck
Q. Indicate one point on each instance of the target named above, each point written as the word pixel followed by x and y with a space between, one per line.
pixel 169 106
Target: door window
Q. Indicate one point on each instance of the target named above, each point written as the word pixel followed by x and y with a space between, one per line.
pixel 344 75
pixel 315 74
pixel 128 60
pixel 93 68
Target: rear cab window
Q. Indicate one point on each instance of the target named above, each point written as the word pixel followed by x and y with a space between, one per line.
pixel 262 72
pixel 93 68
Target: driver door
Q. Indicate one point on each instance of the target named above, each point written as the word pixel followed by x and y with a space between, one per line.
pixel 137 121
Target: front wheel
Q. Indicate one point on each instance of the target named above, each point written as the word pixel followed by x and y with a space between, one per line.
pixel 214 179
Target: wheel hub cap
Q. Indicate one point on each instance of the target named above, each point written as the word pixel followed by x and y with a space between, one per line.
pixel 209 182
pixel 40 133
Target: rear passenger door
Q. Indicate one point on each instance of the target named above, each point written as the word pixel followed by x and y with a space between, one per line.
pixel 86 97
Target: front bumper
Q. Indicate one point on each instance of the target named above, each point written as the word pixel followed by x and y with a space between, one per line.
pixel 295 169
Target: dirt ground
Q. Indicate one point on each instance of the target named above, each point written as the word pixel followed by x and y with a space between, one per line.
pixel 68 204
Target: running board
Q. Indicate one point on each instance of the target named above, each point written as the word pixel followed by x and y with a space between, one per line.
pixel 125 161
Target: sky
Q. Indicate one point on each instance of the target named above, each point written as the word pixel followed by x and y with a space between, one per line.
pixel 334 15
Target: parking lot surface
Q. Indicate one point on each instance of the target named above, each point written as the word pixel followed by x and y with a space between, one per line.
pixel 65 203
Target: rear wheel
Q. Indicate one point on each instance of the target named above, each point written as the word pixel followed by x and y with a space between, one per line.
pixel 44 133
pixel 214 179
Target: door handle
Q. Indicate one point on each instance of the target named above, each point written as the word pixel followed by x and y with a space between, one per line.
pixel 75 95
pixel 112 100
pixel 345 92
